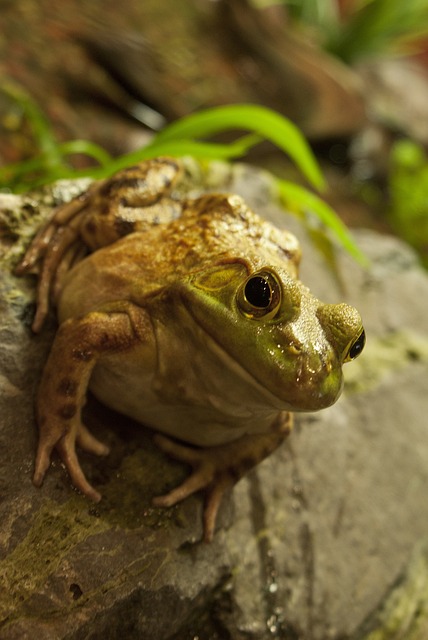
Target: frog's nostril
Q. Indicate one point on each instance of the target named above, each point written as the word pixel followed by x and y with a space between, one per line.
pixel 344 329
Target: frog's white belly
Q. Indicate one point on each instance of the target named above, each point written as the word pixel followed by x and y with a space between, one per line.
pixel 200 410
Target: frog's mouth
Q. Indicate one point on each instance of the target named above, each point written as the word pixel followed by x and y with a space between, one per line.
pixel 265 381
pixel 304 392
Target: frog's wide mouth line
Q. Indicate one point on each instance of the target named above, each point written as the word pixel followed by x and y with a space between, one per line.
pixel 243 373
pixel 232 364
pixel 272 399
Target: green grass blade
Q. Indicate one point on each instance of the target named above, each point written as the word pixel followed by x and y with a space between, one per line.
pixel 379 27
pixel 38 171
pixel 40 126
pixel 294 195
pixel 262 121
pixel 177 148
pixel 86 148
pixel 203 150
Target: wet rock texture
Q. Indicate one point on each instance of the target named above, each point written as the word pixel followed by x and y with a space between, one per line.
pixel 324 540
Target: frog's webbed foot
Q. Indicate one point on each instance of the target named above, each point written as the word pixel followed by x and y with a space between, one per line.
pixel 65 444
pixel 217 469
pixel 205 475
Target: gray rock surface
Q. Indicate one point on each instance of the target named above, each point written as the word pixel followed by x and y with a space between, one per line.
pixel 324 540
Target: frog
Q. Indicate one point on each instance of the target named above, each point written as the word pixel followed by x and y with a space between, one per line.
pixel 185 313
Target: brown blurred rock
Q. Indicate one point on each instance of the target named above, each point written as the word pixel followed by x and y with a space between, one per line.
pixel 91 66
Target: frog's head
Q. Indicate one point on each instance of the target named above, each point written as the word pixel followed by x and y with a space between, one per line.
pixel 276 330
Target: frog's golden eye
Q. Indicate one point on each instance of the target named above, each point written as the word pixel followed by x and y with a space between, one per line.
pixel 356 347
pixel 260 295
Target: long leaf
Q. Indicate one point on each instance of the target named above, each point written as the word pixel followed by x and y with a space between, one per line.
pixel 86 148
pixel 185 147
pixel 41 128
pixel 294 195
pixel 265 122
pixel 176 148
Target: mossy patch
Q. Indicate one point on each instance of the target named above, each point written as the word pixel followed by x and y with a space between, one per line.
pixel 405 613
pixel 385 355
pixel 127 497
pixel 55 530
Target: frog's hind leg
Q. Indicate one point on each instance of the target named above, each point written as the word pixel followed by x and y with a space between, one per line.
pixel 52 252
pixel 63 249
pixel 46 237
pixel 134 199
pixel 217 469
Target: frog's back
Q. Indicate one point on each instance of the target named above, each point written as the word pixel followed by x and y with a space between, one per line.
pixel 211 228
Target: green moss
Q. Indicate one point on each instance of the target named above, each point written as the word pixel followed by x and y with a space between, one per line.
pixel 384 355
pixel 54 531
pixel 57 529
pixel 128 495
pixel 404 615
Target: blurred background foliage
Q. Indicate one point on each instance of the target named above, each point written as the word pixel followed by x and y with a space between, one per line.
pixel 88 87
pixel 363 29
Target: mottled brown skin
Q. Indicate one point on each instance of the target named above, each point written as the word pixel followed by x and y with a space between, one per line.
pixel 159 322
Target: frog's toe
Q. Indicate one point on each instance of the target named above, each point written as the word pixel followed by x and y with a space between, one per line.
pixel 194 483
pixel 69 457
pixel 207 474
pixel 212 504
pixel 88 442
pixel 200 479
pixel 42 464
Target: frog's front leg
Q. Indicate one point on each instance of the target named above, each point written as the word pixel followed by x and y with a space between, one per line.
pixel 77 348
pixel 217 469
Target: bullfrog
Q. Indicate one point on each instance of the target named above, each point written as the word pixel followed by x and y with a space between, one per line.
pixel 187 315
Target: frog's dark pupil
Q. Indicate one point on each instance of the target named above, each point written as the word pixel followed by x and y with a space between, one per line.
pixel 258 292
pixel 358 346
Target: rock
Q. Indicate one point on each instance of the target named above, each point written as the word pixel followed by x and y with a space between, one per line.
pixel 324 540
pixel 397 93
